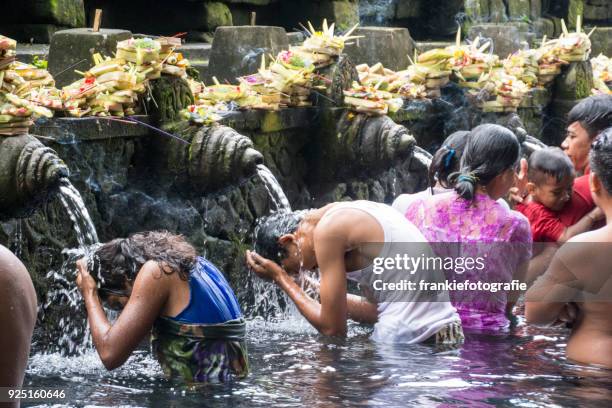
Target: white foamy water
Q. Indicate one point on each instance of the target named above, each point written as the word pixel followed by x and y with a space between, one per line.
pixel 75 207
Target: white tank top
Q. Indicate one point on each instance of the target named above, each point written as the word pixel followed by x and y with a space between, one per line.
pixel 411 320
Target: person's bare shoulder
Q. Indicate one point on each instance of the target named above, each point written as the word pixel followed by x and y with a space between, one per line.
pixel 350 224
pixel 10 265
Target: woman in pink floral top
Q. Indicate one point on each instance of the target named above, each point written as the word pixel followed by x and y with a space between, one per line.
pixel 469 222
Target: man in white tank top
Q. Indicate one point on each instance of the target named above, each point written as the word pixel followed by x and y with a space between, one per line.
pixel 347 240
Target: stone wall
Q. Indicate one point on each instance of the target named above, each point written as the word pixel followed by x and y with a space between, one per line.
pixel 127 187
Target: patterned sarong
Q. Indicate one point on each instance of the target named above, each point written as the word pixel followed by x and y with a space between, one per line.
pixel 450 334
pixel 200 353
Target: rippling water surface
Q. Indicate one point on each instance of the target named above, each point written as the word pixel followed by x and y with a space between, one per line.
pixel 294 366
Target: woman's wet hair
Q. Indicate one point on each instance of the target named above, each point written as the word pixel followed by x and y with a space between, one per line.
pixel 118 261
pixel 549 162
pixel 593 113
pixel 601 158
pixel 447 158
pixel 271 228
pixel 490 150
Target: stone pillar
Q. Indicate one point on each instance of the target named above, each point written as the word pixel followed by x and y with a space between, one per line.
pixel 237 51
pixel 506 38
pixel 171 95
pixel 76 47
pixel 601 40
pixel 573 84
pixel 391 46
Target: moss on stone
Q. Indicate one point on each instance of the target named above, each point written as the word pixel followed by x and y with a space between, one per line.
pixel 574 9
pixel 217 14
pixel 271 122
pixel 345 14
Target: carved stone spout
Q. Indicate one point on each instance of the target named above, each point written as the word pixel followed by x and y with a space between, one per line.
pixel 373 141
pixel 29 173
pixel 219 156
pixel 215 157
pixel 357 143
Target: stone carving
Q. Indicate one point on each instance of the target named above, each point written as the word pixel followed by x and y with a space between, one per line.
pixel 373 141
pixel 214 157
pixel 340 76
pixel 29 172
pixel 169 96
pixel 219 156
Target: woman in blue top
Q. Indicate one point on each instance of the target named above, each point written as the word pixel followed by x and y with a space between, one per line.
pixel 164 288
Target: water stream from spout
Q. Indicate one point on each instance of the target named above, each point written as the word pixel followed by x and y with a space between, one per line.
pixel 275 191
pixel 423 156
pixel 75 207
pixel 270 303
pixel 63 296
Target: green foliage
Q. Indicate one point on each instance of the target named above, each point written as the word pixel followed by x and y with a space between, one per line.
pixel 40 62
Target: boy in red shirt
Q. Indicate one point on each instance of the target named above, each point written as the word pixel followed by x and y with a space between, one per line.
pixel 556 210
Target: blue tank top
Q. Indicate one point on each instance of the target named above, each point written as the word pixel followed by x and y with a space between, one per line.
pixel 211 299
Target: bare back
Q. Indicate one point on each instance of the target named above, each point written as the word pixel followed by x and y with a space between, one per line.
pixel 591 338
pixel 17 319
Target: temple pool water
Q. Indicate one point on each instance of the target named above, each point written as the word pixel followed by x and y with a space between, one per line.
pixel 293 366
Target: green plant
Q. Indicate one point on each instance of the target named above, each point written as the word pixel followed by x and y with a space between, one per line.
pixel 40 62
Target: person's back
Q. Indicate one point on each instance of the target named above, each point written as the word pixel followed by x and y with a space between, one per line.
pixel 17 319
pixel 571 281
pixel 166 290
pixel 403 316
pixel 470 223
pixel 483 228
pixel 210 328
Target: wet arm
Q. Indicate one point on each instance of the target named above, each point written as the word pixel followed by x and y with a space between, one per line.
pixel 360 309
pixel 115 343
pixel 585 224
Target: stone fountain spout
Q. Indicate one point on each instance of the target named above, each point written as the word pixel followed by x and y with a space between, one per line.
pixel 29 174
pixel 216 157
pixel 220 156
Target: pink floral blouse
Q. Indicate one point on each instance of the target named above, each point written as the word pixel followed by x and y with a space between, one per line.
pixel 483 228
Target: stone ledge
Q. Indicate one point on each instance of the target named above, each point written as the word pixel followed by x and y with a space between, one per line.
pixel 71 130
pixel 270 121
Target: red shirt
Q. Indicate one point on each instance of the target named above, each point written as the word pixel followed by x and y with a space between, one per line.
pixel 548 225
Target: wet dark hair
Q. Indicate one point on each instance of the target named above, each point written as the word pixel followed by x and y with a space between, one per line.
pixel 490 150
pixel 594 114
pixel 118 261
pixel 549 162
pixel 271 228
pixel 601 158
pixel 447 158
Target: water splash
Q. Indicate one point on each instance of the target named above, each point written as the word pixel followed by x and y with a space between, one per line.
pixel 422 156
pixel 75 207
pixel 275 191
pixel 64 303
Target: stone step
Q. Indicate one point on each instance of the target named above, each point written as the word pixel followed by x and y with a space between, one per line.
pixel 423 46
pixel 26 52
pixel 195 51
